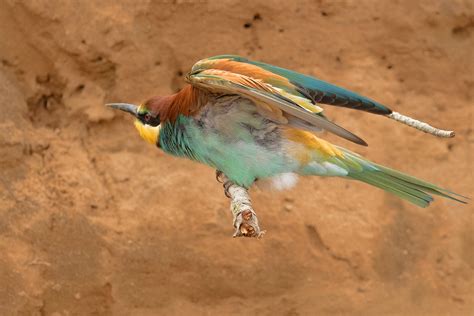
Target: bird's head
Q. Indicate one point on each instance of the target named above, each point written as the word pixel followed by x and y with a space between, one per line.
pixel 147 116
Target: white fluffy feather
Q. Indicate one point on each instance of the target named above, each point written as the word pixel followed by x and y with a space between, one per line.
pixel 279 182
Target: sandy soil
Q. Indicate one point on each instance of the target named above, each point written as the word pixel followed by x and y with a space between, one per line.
pixel 94 221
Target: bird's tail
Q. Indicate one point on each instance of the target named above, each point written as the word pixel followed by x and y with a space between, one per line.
pixel 409 188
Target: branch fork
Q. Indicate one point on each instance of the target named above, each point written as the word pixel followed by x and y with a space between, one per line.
pixel 245 219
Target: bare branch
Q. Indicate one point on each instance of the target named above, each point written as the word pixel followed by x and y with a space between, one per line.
pixel 422 126
pixel 245 219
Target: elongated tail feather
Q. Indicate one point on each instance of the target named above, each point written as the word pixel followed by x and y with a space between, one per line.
pixel 409 188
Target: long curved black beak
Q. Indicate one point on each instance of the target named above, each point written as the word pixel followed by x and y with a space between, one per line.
pixel 126 107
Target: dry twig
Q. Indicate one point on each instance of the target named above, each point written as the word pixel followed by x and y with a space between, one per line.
pixel 245 218
pixel 419 125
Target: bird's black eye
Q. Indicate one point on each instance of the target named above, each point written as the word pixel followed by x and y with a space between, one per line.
pixel 147 117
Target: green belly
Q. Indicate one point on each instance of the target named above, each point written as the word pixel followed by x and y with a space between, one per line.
pixel 237 151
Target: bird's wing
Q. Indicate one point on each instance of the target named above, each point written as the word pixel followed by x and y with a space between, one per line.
pixel 235 75
pixel 220 81
pixel 315 90
pixel 292 90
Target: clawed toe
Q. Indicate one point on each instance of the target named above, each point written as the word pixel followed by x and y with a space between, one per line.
pixel 226 186
pixel 246 225
pixel 219 176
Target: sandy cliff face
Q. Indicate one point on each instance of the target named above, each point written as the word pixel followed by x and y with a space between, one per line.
pixel 94 221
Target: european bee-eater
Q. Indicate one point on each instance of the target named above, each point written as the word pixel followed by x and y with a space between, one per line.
pixel 256 122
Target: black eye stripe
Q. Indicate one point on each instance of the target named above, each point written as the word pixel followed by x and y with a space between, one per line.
pixel 147 118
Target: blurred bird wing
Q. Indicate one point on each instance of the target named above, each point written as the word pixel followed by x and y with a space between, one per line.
pixel 273 101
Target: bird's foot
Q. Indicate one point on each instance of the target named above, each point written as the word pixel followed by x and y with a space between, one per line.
pixel 245 219
pixel 246 225
pixel 220 176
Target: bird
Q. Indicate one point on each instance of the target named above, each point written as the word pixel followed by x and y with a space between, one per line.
pixel 258 123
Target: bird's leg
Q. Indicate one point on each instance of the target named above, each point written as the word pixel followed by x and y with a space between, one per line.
pixel 245 218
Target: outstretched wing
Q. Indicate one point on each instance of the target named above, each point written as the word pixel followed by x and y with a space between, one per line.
pixel 316 90
pixel 236 75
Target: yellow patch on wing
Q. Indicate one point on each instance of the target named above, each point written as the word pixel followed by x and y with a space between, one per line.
pixel 148 132
pixel 303 102
pixel 313 143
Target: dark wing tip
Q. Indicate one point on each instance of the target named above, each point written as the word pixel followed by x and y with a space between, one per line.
pixel 363 142
pixel 355 139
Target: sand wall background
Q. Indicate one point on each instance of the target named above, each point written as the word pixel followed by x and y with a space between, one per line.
pixel 94 221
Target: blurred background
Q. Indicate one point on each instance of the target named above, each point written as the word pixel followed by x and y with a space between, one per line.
pixel 94 221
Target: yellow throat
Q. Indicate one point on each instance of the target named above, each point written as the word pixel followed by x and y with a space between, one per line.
pixel 148 132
